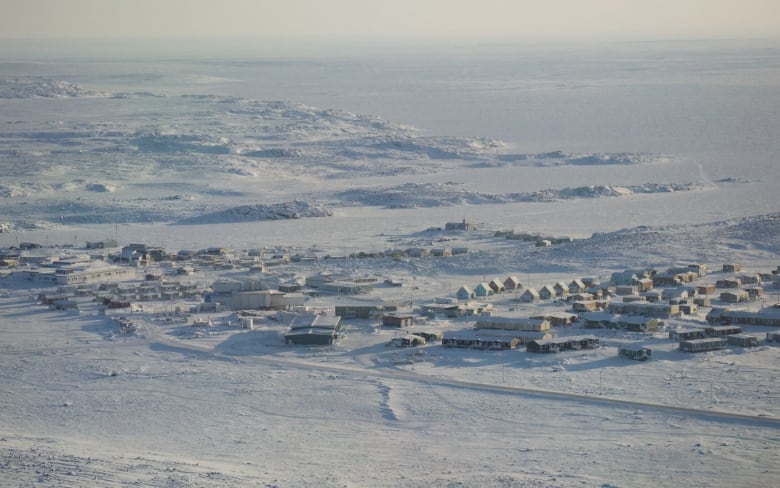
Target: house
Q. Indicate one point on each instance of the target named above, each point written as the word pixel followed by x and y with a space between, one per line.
pixel 735 296
pixel 260 299
pixel 512 283
pixel 590 281
pixel 729 283
pixel 773 336
pixel 624 278
pixel 742 340
pixel 645 284
pixel 445 300
pixel 493 340
pixel 530 295
pixel 465 293
pixel 313 330
pixel 483 290
pixel 213 251
pixel 102 244
pixel 624 290
pixel 703 345
pixel 579 297
pixel 397 320
pixel 576 286
pixel 474 307
pixel 721 330
pixel 563 344
pixel 634 298
pixel 513 323
pixel 698 268
pixel 339 284
pixel 561 288
pixel 547 292
pixel 451 226
pixel 498 344
pixel 362 310
pixel 430 336
pixel 448 310
pixel 635 352
pixel 653 296
pixel 637 323
pixel 750 279
pixel 667 279
pixel 409 340
pixel 440 252
pixel 634 323
pixel 732 268
pixel 417 252
pixel 585 306
pixel 496 285
pixel 657 310
pixel 597 292
pixel 705 289
pixel 768 316
pixel 754 292
pixel 681 334
pixel 674 293
pixel 558 319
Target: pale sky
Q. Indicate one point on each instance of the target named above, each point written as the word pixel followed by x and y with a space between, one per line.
pixel 387 20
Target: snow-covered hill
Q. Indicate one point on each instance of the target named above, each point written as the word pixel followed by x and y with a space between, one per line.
pixel 413 195
pixel 40 87
pixel 667 157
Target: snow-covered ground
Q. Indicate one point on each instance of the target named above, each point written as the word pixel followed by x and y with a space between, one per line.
pixel 88 154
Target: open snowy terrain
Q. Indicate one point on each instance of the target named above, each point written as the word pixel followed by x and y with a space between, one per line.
pixel 667 157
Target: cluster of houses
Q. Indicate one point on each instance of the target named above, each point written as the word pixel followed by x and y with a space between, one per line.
pixel 711 338
pixel 633 300
pixel 630 302
pixel 585 294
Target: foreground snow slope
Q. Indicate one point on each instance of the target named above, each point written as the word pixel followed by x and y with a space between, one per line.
pixel 79 409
